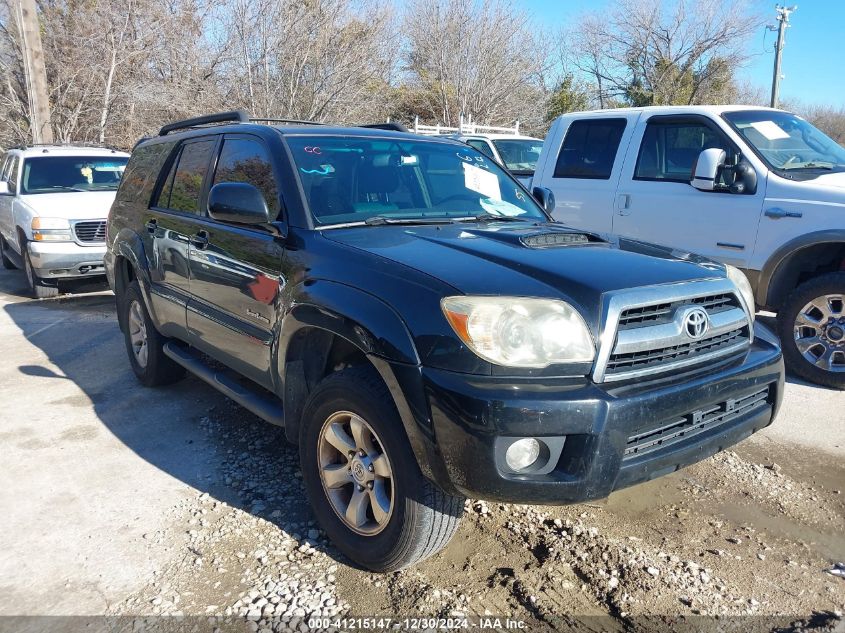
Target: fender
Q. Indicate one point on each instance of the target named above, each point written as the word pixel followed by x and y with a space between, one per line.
pixel 128 244
pixel 774 271
pixel 375 329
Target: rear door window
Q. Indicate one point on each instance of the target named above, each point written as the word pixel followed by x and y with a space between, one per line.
pixel 670 148
pixel 247 160
pixel 183 188
pixel 589 149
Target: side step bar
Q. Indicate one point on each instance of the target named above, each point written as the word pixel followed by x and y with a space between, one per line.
pixel 259 404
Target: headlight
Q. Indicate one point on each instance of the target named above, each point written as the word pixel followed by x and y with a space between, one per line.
pixel 520 332
pixel 51 230
pixel 742 284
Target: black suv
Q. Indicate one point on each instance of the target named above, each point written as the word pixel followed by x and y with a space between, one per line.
pixel 421 328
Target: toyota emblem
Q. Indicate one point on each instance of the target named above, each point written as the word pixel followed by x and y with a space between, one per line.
pixel 696 323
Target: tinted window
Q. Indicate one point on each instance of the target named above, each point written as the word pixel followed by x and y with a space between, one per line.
pixel 182 190
pixel 51 174
pixel 243 160
pixel 670 149
pixel 141 173
pixel 353 178
pixel 589 149
pixel 481 146
pixel 520 156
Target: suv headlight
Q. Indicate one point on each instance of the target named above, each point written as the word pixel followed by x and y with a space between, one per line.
pixel 51 230
pixel 520 332
pixel 744 286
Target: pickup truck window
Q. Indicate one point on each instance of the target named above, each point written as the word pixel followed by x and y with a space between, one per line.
pixel 520 156
pixel 244 160
pixel 669 149
pixel 787 142
pixel 348 179
pixel 481 146
pixel 181 191
pixel 589 149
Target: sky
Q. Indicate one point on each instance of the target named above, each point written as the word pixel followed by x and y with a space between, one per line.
pixel 813 57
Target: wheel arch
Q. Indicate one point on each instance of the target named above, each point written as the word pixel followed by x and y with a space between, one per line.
pixel 125 263
pixel 796 261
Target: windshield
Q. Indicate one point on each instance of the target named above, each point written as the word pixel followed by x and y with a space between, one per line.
pixel 787 142
pixel 519 155
pixel 52 174
pixel 355 179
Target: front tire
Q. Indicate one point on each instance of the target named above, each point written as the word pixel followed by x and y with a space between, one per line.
pixel 144 345
pixel 811 325
pixel 362 478
pixel 38 288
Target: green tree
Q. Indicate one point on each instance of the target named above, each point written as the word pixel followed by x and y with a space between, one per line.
pixel 568 96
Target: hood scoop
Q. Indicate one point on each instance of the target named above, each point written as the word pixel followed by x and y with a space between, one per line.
pixel 556 239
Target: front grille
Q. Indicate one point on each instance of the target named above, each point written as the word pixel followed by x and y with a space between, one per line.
pixel 90 231
pixel 666 434
pixel 647 359
pixel 659 313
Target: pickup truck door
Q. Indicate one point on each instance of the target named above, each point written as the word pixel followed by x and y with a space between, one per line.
pixel 655 202
pixel 582 168
pixel 236 270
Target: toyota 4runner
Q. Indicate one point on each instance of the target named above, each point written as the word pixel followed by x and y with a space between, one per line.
pixel 420 328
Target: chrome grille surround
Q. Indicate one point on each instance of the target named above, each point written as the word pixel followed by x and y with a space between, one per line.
pixel 663 345
pixel 89 231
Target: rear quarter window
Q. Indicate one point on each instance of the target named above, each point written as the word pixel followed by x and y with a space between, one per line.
pixel 589 149
pixel 136 186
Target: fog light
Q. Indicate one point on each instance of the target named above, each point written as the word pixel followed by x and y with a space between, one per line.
pixel 522 453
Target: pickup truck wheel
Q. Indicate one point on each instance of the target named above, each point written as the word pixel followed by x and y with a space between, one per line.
pixel 144 344
pixel 362 478
pixel 37 286
pixel 811 325
pixel 8 264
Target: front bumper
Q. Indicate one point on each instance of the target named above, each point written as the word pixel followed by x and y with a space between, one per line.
pixel 592 429
pixel 63 260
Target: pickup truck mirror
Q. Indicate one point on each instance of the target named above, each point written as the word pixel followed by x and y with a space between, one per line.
pixel 4 188
pixel 237 202
pixel 706 168
pixel 545 197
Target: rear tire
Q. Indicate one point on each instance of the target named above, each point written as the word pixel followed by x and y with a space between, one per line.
pixel 811 326
pixel 414 520
pixel 8 264
pixel 144 344
pixel 38 288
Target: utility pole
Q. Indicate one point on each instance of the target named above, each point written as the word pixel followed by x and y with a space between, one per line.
pixel 783 24
pixel 34 71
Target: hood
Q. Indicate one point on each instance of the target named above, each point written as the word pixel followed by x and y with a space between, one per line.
pixel 832 179
pixel 525 259
pixel 71 205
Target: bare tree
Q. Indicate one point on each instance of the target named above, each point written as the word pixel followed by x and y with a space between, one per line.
pixel 651 52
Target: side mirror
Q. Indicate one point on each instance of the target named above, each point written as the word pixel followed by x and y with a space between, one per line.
pixel 4 188
pixel 706 168
pixel 237 202
pixel 545 197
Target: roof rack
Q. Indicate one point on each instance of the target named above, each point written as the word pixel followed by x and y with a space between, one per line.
pixel 233 116
pixel 296 121
pixel 464 127
pixel 71 144
pixel 389 125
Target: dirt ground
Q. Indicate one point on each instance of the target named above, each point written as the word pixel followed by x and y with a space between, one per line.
pixel 193 507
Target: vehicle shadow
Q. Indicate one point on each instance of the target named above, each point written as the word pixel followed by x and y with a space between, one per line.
pixel 187 430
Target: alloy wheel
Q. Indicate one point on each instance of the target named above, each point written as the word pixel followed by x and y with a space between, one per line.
pixel 355 472
pixel 819 331
pixel 138 333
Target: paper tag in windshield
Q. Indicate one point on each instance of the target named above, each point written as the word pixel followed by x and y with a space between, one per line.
pixel 769 129
pixel 482 181
pixel 500 207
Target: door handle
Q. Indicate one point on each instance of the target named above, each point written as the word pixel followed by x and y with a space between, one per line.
pixel 623 203
pixel 152 225
pixel 776 214
pixel 199 240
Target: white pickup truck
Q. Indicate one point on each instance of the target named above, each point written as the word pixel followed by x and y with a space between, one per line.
pixel 758 188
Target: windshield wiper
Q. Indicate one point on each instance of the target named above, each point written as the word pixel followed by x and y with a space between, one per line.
pixel 63 188
pixel 811 165
pixel 378 220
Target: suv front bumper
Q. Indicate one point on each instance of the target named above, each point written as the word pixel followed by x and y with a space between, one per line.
pixel 594 430
pixel 63 260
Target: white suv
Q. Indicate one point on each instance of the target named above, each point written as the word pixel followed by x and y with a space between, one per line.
pixel 758 188
pixel 54 201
